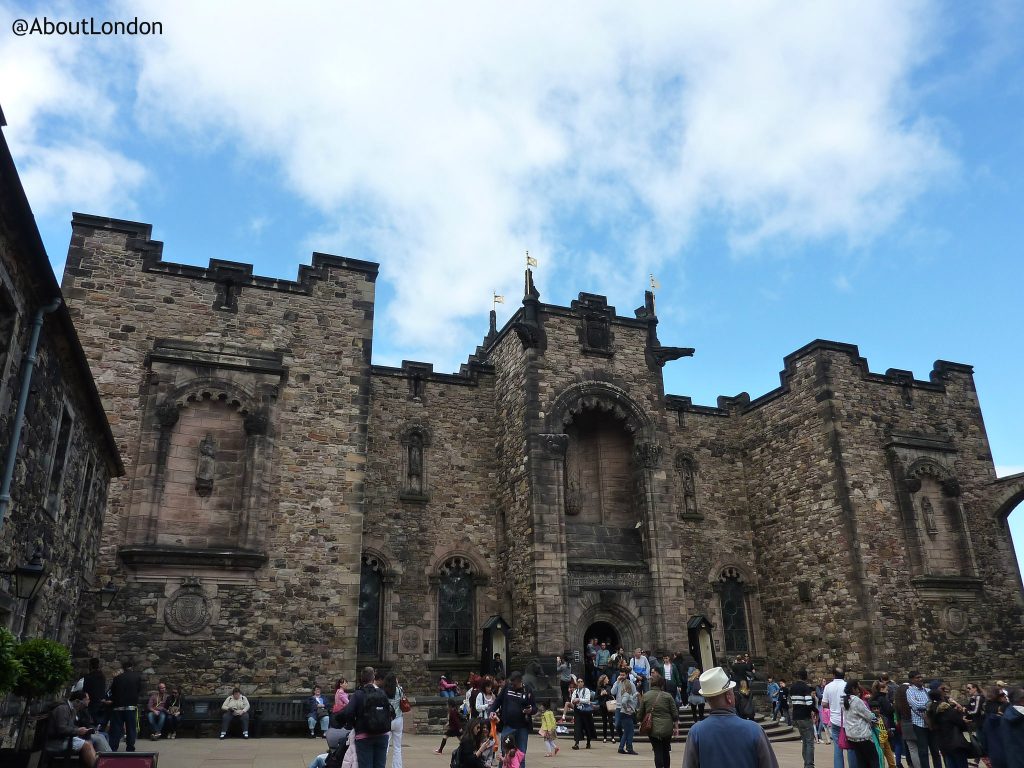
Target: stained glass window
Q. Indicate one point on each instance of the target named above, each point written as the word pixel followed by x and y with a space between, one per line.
pixel 371 588
pixel 455 596
pixel 734 615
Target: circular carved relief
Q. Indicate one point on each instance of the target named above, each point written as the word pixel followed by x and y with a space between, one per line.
pixel 956 620
pixel 188 610
pixel 410 639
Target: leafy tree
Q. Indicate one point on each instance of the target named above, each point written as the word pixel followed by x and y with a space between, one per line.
pixel 10 667
pixel 46 667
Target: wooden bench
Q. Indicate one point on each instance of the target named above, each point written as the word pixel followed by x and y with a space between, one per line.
pixel 49 757
pixel 280 716
pixel 202 714
pixel 267 716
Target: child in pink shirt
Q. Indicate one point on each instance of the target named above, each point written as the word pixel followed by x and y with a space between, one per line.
pixel 513 756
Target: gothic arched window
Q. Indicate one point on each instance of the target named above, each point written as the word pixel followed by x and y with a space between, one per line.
pixel 734 611
pixel 455 597
pixel 371 601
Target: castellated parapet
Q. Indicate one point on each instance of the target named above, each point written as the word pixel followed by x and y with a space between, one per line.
pixel 291 511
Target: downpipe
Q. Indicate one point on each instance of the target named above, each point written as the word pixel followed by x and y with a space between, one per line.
pixel 19 414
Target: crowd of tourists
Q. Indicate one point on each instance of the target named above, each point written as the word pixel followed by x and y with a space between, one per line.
pixel 876 724
pixel 915 723
pixel 96 715
pixel 869 724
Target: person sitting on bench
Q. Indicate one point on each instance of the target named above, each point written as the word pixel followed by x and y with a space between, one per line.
pixel 62 728
pixel 317 712
pixel 236 707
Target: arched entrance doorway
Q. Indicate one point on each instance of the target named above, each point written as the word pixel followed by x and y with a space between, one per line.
pixel 604 633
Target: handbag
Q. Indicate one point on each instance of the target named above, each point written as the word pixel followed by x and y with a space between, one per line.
pixel 842 741
pixel 974 744
pixel 404 705
pixel 647 725
pixel 610 705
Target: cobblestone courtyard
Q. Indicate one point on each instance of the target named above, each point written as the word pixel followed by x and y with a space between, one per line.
pixel 418 751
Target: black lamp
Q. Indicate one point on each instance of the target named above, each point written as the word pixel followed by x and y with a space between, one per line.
pixel 107 594
pixel 28 578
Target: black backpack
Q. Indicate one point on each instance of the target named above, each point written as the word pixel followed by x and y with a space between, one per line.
pixel 337 755
pixel 456 757
pixel 377 713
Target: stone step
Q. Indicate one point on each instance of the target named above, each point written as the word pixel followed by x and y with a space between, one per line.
pixel 777 731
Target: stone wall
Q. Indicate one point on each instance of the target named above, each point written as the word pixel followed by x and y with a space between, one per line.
pixel 262 591
pixel 413 532
pixel 805 506
pixel 59 490
pixel 851 576
pixel 65 456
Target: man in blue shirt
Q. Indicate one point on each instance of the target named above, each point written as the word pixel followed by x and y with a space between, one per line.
pixel 773 694
pixel 641 669
pixel 723 739
pixel 917 698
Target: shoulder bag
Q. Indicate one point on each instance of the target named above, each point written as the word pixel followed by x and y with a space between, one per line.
pixel 842 741
pixel 647 724
pixel 403 702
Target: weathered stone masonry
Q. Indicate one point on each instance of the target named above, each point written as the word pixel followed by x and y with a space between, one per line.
pixel 846 516
pixel 65 452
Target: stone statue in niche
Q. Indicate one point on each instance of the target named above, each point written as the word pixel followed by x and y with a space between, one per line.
pixel 928 513
pixel 415 473
pixel 206 465
pixel 689 491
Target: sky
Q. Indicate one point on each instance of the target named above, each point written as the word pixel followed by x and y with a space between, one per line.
pixel 787 170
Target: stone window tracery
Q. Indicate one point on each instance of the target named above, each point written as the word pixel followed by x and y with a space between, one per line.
pixel 371 603
pixel 456 595
pixel 58 461
pixel 733 599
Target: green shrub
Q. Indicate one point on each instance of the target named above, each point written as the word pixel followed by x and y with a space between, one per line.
pixel 46 668
pixel 10 666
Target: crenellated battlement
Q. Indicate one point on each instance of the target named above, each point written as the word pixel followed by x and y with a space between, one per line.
pixel 237 274
pixel 941 373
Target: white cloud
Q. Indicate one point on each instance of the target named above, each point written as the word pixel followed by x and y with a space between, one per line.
pixel 62 123
pixel 444 139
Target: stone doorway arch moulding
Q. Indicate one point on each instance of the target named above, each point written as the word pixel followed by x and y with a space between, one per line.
pixel 724 568
pixel 630 629
pixel 653 500
pixel 602 396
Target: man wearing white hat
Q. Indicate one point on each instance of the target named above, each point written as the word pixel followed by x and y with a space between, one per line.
pixel 723 739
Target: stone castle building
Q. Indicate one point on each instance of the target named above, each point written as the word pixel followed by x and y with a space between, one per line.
pixel 57 452
pixel 291 510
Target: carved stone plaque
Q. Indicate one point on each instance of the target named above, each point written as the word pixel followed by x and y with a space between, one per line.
pixel 410 639
pixel 956 620
pixel 613 580
pixel 188 610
